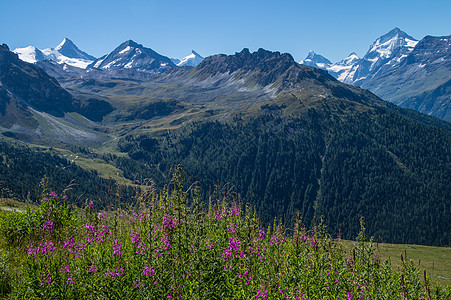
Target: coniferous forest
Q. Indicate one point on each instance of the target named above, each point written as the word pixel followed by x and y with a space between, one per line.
pixel 322 166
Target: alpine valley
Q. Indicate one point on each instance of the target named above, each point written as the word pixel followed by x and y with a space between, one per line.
pixel 288 138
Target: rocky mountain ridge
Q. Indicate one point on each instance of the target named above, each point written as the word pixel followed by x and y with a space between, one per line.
pixel 400 69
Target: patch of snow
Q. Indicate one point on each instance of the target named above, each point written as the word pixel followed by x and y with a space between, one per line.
pixel 126 49
pixel 74 62
pixel 98 63
pixel 192 59
pixel 27 54
pixel 47 51
pixel 57 48
pixel 410 43
pixel 129 65
pixel 110 64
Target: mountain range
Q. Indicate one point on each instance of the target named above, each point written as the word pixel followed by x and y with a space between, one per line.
pixel 398 68
pixel 128 55
pixel 285 136
pixel 129 60
pixel 387 69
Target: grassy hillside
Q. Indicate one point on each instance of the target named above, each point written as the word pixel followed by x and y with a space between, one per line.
pixel 435 260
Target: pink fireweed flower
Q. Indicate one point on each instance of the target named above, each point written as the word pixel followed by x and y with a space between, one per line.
pixel 217 215
pixel 44 248
pixel 234 246
pixel 262 294
pixel 33 251
pixel 164 243
pixel 68 244
pixel 66 268
pixel 90 205
pixel 246 276
pixel 92 269
pixel 274 240
pixel 47 225
pixel 208 244
pixel 113 274
pixel 148 271
pixel 53 195
pixel 168 223
pixel 138 243
pixel 231 229
pixel 349 295
pixel 92 235
pixel 117 248
pixel 47 247
pixel 48 281
pixel 71 248
pixel 70 281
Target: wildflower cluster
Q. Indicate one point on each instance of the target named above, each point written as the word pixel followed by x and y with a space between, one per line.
pixel 171 249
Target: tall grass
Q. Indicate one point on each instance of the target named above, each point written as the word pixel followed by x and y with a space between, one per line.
pixel 171 247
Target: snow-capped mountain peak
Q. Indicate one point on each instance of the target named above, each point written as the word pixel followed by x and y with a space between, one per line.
pixel 315 60
pixel 66 42
pixel 65 53
pixel 30 54
pixel 192 59
pixel 387 51
pixel 131 55
pixel 353 57
pixel 385 46
pixel 345 69
pixel 69 49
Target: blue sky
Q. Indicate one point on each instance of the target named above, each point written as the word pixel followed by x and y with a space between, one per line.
pixel 330 27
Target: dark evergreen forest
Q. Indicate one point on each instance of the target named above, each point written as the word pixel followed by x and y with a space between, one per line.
pixel 386 167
